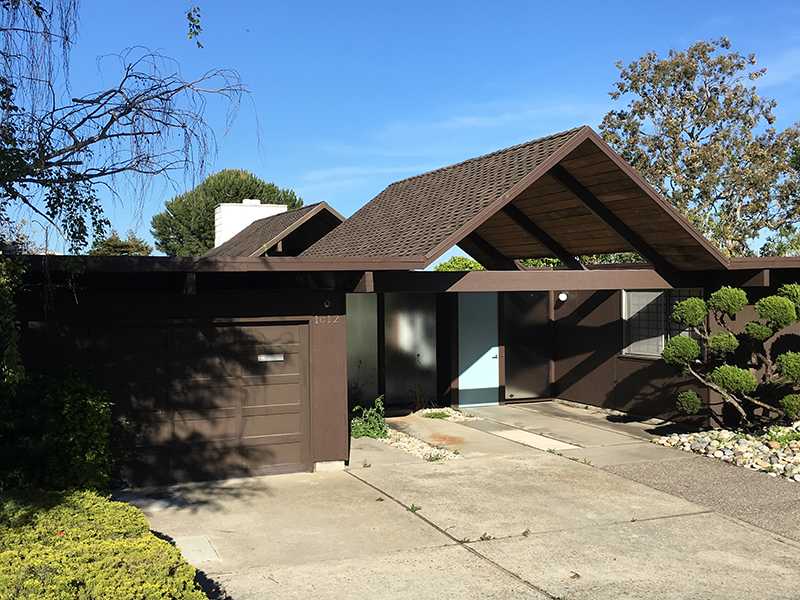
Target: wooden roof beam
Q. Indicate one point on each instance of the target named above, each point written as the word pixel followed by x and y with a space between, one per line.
pixel 542 238
pixel 612 221
pixel 489 256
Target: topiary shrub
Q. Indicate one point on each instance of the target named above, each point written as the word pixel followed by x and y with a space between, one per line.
pixel 722 343
pixel 54 435
pixel 733 379
pixel 680 350
pixel 689 402
pixel 81 545
pixel 739 387
pixel 728 300
pixel 758 331
pixel 792 292
pixel 791 405
pixel 778 312
pixel 691 312
pixel 788 365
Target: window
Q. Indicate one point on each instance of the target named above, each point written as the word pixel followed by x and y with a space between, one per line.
pixel 647 319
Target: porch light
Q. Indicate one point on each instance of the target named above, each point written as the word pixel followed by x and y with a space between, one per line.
pixel 562 297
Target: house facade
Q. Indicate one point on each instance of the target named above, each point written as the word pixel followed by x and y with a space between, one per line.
pixel 246 360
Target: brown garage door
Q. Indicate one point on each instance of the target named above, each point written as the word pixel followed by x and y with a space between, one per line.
pixel 209 400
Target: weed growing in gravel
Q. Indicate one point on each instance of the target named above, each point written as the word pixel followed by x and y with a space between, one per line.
pixel 486 537
pixel 371 423
pixel 436 414
pixel 783 437
pixel 413 508
pixel 366 464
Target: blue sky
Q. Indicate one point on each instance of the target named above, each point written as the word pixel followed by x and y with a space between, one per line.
pixel 351 96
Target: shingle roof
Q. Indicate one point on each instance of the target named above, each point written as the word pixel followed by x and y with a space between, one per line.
pixel 581 196
pixel 413 216
pixel 260 235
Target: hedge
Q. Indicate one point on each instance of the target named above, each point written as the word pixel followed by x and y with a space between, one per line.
pixel 81 545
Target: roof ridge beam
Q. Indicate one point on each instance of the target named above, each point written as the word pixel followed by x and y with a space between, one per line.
pixel 612 221
pixel 542 238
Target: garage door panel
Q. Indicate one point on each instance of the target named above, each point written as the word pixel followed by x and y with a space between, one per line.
pixel 269 363
pixel 270 424
pixel 274 334
pixel 260 457
pixel 203 405
pixel 205 425
pixel 274 394
pixel 138 397
pixel 199 396
pixel 203 367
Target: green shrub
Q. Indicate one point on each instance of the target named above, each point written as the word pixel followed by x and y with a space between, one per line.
pixel 792 292
pixel 790 405
pixel 371 423
pixel 757 331
pixel 722 343
pixel 80 545
pixel 54 435
pixel 777 311
pixel 691 311
pixel 727 300
pixel 680 350
pixel 733 379
pixel 788 365
pixel 689 402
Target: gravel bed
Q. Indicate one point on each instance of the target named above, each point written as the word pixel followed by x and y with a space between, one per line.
pixel 454 415
pixel 422 449
pixel 417 447
pixel 777 454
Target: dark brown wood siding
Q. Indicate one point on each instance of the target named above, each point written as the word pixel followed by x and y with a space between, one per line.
pixel 192 399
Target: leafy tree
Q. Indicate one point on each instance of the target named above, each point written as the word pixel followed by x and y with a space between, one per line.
pixel 113 245
pixel 707 142
pixel 762 380
pixel 186 227
pixel 56 148
pixel 459 263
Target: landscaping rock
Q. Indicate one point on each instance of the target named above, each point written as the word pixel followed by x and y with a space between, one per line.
pixel 775 451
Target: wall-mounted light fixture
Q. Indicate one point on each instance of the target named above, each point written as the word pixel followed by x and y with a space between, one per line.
pixel 562 297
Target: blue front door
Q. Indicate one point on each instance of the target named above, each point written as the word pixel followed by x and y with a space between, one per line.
pixel 478 352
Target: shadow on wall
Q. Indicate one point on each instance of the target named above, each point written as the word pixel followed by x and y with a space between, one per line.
pixel 586 341
pixel 203 401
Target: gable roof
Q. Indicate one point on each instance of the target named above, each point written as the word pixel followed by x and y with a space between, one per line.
pixel 299 228
pixel 571 189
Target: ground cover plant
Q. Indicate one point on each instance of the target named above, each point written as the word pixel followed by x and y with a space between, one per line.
pixel 753 368
pixel 80 545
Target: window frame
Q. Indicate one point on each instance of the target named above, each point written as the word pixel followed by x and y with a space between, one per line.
pixel 667 328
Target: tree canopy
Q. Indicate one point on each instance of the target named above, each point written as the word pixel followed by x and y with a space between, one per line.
pixel 113 245
pixel 186 227
pixel 57 147
pixel 706 141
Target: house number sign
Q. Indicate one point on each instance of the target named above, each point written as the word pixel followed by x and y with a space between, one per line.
pixel 326 319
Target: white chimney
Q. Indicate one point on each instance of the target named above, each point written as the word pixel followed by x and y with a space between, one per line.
pixel 230 219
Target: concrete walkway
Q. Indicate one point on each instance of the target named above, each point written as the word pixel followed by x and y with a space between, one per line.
pixel 548 502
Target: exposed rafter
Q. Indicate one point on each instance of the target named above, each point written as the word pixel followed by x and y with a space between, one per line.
pixel 612 221
pixel 486 254
pixel 541 237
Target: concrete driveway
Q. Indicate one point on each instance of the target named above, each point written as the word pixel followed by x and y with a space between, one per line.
pixel 548 502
